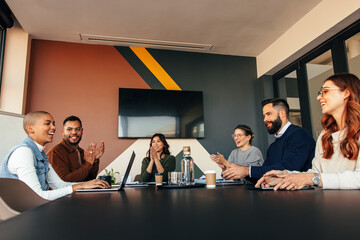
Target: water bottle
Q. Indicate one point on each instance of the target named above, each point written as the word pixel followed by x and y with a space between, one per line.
pixel 187 167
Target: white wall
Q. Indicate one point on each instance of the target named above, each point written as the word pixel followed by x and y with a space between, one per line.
pixel 12 132
pixel 198 152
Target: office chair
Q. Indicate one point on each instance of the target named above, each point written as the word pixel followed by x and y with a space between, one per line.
pixel 17 197
pixel 6 212
pixel 138 178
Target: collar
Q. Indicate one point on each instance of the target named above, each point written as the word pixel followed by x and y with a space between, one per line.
pixel 68 147
pixel 41 148
pixel 38 150
pixel 283 130
pixel 339 135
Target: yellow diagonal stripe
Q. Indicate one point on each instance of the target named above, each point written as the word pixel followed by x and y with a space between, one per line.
pixel 155 68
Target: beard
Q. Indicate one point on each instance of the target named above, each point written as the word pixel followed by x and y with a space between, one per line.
pixel 275 126
pixel 68 141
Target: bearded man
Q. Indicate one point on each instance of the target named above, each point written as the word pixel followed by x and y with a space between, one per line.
pixel 71 162
pixel 292 149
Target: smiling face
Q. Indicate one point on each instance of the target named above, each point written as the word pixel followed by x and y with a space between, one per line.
pixel 72 132
pixel 241 140
pixel 157 144
pixel 42 129
pixel 332 100
pixel 272 119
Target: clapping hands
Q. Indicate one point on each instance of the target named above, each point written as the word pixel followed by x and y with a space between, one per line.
pixel 153 154
pixel 92 153
pixel 220 161
pixel 100 150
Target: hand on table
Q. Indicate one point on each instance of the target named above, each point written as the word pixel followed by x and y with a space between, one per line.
pixel 96 183
pixel 235 171
pixel 294 181
pixel 267 182
pixel 270 179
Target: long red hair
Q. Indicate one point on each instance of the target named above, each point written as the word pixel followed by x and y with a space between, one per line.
pixel 350 145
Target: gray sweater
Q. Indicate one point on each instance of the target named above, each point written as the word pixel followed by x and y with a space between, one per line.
pixel 250 157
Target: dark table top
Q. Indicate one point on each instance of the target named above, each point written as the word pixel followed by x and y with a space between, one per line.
pixel 199 213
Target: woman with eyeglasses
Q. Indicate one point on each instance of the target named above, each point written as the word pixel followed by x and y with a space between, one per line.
pixel 157 160
pixel 336 163
pixel 245 154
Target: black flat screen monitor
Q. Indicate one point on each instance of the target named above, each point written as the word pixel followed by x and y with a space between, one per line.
pixel 176 114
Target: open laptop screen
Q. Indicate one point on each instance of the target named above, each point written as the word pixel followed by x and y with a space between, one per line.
pixel 122 185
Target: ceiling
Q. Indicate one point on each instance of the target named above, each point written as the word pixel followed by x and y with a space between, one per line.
pixel 232 27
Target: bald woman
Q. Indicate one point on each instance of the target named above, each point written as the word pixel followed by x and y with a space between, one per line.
pixel 28 162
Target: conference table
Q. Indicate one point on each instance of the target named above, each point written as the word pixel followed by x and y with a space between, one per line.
pixel 226 212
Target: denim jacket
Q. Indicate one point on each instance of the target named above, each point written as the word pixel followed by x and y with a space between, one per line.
pixel 41 163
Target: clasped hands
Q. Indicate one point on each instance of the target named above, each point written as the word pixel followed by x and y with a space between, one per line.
pixel 153 154
pixel 92 153
pixel 283 180
pixel 230 171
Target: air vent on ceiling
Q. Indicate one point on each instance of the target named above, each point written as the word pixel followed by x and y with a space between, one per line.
pixel 120 41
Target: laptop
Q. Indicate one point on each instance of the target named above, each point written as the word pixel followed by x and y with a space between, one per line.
pixel 122 185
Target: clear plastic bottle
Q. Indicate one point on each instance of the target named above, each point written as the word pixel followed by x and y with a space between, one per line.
pixel 187 166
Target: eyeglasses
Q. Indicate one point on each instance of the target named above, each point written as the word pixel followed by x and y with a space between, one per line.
pixel 237 135
pixel 324 91
pixel 78 129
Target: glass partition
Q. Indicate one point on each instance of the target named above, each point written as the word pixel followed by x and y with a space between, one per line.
pixel 353 54
pixel 318 69
pixel 288 89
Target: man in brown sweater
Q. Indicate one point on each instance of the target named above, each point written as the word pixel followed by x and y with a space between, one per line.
pixel 71 162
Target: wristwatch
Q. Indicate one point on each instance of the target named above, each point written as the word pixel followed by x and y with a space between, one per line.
pixel 316 179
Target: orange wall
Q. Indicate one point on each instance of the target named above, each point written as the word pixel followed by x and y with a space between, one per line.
pixel 83 80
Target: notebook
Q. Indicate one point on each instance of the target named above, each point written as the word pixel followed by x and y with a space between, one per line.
pixel 122 185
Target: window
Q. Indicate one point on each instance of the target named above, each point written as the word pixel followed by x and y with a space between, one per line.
pixel 353 54
pixel 287 89
pixel 340 53
pixel 318 70
pixel 5 22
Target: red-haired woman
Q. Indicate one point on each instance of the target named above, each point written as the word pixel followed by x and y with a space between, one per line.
pixel 336 163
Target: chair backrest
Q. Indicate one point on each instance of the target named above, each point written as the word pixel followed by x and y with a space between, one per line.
pixel 6 212
pixel 138 178
pixel 19 196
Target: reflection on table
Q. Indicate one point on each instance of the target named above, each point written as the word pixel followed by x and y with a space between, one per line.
pixel 199 213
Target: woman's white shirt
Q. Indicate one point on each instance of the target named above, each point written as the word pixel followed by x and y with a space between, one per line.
pixel 21 163
pixel 338 172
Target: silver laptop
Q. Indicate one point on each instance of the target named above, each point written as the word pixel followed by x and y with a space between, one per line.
pixel 122 185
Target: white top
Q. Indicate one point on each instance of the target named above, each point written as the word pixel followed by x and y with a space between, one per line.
pixel 338 172
pixel 21 162
pixel 283 130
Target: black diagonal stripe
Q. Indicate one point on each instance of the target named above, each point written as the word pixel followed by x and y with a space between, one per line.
pixel 139 67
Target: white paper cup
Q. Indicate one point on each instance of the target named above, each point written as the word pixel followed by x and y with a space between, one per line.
pixel 210 178
pixel 158 179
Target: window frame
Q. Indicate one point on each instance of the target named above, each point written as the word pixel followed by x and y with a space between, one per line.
pixel 340 64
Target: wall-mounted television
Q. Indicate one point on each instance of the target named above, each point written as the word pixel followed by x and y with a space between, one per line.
pixel 176 114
